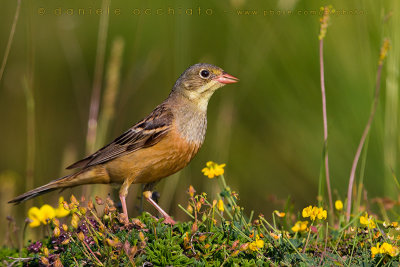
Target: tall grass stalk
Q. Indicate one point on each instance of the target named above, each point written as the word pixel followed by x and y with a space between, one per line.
pixel 323 28
pixel 384 49
pixel 110 94
pixel 10 39
pixel 97 80
pixel 391 102
pixel 111 90
pixel 97 84
pixel 360 187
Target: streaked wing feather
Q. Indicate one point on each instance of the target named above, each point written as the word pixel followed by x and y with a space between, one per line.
pixel 145 133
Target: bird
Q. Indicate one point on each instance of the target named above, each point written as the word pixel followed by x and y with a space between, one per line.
pixel 156 147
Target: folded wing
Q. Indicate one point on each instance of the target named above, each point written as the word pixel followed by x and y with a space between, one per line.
pixel 145 133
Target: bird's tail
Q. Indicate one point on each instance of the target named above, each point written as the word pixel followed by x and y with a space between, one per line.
pixel 91 176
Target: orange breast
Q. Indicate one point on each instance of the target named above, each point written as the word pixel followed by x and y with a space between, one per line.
pixel 150 164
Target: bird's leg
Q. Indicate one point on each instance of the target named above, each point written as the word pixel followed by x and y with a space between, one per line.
pixel 123 192
pixel 123 202
pixel 168 219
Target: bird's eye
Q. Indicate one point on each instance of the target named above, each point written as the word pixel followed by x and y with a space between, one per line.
pixel 204 74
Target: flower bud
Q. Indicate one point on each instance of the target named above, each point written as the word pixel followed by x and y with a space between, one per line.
pixel 74 200
pixel 56 232
pixel 82 210
pixel 75 220
pixel 112 242
pixel 221 205
pixel 81 236
pixel 99 201
pixel 90 205
pixel 65 205
pixel 57 263
pixel 191 191
pixel 194 227
pixel 189 208
pixel 235 253
pixel 46 251
pixel 244 247
pixel 234 245
pixel 198 206
pixel 45 261
pixel 56 222
pixel 141 236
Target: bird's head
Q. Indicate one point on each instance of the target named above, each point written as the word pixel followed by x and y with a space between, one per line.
pixel 200 81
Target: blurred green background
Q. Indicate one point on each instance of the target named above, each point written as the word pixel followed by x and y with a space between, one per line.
pixel 267 128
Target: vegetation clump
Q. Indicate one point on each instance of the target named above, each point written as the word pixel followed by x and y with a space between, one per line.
pixel 218 233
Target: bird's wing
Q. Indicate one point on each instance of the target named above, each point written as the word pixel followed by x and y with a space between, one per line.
pixel 145 133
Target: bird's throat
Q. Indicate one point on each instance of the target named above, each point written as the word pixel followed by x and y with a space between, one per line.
pixel 192 123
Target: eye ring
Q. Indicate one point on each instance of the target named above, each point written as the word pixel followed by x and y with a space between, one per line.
pixel 204 74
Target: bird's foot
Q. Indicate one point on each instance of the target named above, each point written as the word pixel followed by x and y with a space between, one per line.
pixel 167 218
pixel 123 218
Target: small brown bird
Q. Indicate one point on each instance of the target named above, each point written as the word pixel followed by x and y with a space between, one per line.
pixel 157 146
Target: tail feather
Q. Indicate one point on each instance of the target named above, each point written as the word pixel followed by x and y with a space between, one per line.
pixel 53 185
pixel 86 176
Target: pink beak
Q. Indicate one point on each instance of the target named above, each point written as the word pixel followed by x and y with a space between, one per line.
pixel 226 78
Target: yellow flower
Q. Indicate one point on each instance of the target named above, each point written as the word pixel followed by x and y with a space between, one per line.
pixel 307 212
pixel 339 205
pixel 42 215
pixel 321 214
pixel 35 217
pixel 367 221
pixel 314 213
pixel 61 211
pixel 213 169
pixel 220 205
pixel 257 244
pixel 253 246
pixel 279 214
pixel 395 251
pixel 386 248
pixel 47 212
pixel 375 250
pixel 300 226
